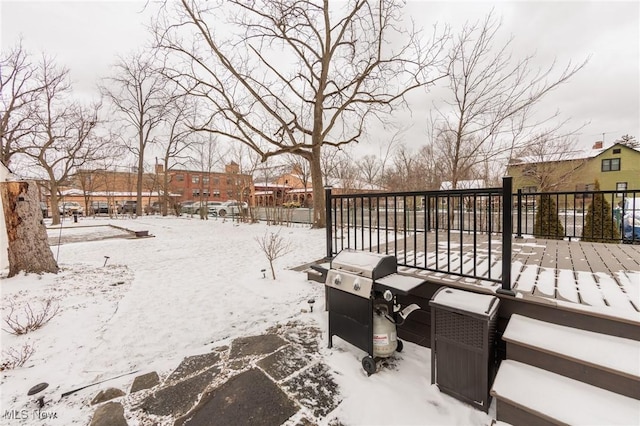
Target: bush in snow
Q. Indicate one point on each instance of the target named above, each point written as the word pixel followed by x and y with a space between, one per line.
pixel 30 320
pixel 13 358
pixel 547 223
pixel 273 246
pixel 599 226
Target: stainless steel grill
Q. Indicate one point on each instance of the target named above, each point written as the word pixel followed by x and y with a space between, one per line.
pixel 358 284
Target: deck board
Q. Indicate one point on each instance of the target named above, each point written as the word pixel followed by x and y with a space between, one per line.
pixel 596 274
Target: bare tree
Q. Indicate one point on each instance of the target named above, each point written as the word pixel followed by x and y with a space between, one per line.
pixel 548 162
pixel 629 141
pixel 300 167
pixel 64 138
pixel 137 90
pixel 20 88
pixel 492 98
pixel 349 63
pixel 274 247
pixel 174 144
pixel 370 170
pixel 204 156
pixel 248 162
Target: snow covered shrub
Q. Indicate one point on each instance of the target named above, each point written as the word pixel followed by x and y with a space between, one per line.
pixel 30 320
pixel 13 358
pixel 599 226
pixel 547 223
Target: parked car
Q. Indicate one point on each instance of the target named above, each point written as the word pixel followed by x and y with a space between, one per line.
pixel 187 207
pixel 232 208
pixel 213 207
pixel 631 221
pixel 128 206
pixel 99 207
pixel 70 208
pixel 204 205
pixel 291 205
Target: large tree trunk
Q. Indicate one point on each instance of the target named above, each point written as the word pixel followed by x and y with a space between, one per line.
pixel 319 214
pixel 28 247
pixel 53 198
pixel 139 183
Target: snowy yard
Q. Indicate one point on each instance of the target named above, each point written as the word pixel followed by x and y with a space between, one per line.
pixel 194 286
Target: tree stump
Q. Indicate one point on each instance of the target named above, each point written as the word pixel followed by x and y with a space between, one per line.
pixel 28 247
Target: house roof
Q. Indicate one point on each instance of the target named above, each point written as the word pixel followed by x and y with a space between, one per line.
pixel 574 155
pixel 353 184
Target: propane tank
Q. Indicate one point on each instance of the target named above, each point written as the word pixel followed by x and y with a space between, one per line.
pixel 385 340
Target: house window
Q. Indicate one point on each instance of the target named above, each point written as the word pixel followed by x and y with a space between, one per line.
pixel 216 193
pixel 611 165
pixel 621 187
pixel 179 177
pixel 205 192
pixel 216 181
pixel 205 179
pixel 195 179
pixel 195 193
pixel 229 181
pixel 529 189
pixel 616 150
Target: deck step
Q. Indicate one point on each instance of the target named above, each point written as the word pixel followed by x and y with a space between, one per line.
pixel 527 395
pixel 608 362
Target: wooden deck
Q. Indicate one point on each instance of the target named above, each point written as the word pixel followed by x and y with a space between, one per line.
pixel 605 277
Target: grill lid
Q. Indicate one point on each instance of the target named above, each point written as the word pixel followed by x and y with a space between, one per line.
pixel 365 264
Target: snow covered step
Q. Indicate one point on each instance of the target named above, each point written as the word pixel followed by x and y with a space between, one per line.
pixel 527 395
pixel 609 362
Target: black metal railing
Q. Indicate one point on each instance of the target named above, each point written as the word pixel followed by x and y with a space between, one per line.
pixel 457 232
pixel 538 213
pixel 461 232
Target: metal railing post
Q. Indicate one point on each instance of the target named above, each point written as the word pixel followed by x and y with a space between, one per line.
pixel 519 215
pixel 329 224
pixel 507 230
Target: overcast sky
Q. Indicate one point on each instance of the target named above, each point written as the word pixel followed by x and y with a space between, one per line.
pixel 86 36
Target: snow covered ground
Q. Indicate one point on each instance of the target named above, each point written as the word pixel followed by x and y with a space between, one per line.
pixel 196 285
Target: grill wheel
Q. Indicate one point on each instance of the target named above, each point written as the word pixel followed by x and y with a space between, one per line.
pixel 369 365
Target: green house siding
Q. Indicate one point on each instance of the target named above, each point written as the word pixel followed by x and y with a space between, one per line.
pixel 586 171
pixel 629 169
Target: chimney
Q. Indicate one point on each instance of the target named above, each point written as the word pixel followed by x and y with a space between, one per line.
pixel 159 169
pixel 232 168
pixel 597 145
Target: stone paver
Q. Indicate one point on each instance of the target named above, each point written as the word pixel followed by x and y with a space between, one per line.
pixel 179 398
pixel 285 362
pixel 321 397
pixel 249 398
pixel 193 364
pixel 256 345
pixel 107 395
pixel 146 381
pixel 109 414
pixel 266 380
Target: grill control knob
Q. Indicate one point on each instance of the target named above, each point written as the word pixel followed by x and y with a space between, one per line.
pixel 337 280
pixel 356 285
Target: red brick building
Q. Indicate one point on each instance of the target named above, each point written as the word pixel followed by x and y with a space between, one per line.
pixel 191 185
